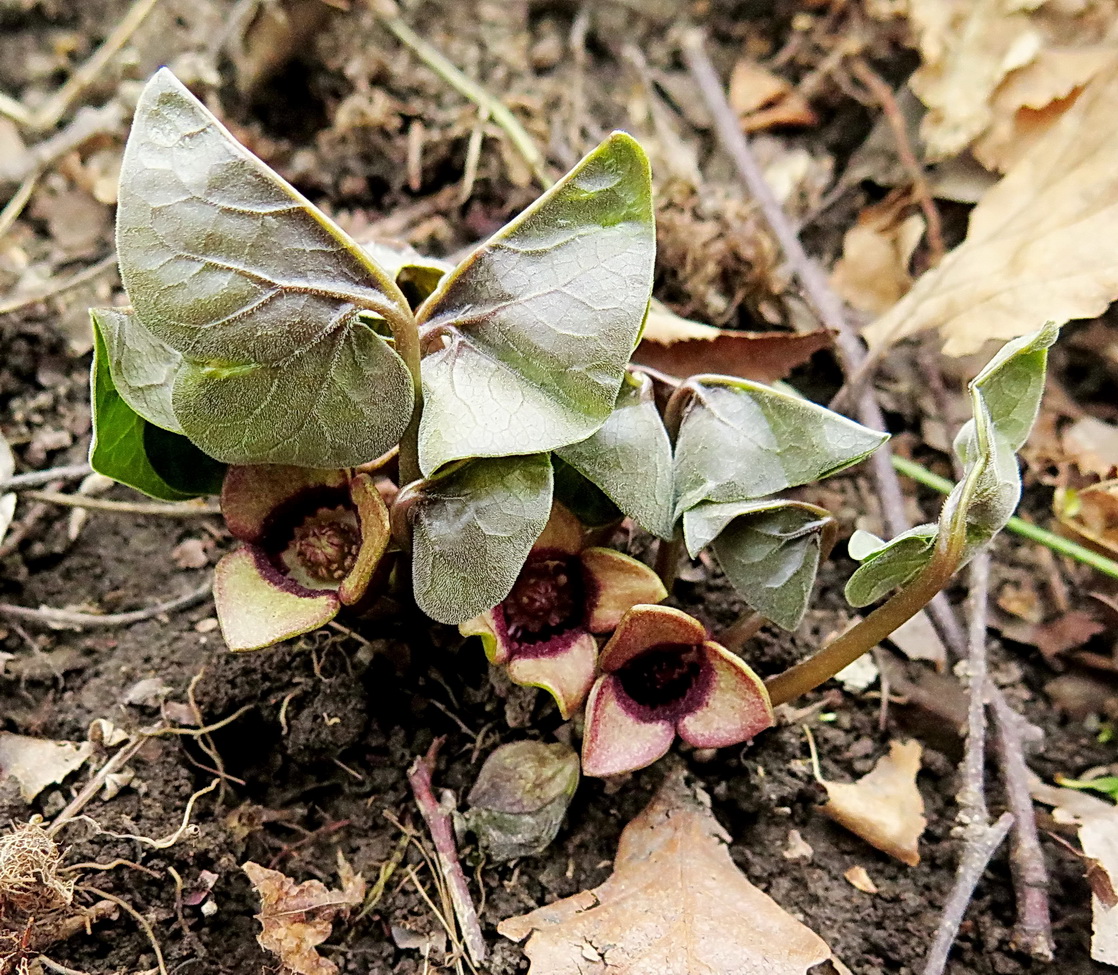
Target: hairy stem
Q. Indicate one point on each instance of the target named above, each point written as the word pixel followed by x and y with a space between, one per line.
pixel 405 332
pixel 668 554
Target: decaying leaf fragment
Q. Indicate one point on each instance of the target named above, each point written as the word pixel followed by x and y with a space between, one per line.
pixel 36 763
pixel 296 918
pixel 883 807
pixel 675 905
pixel 872 274
pixel 7 501
pixel 1039 246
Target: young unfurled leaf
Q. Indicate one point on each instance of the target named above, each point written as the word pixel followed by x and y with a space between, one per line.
pixel 260 293
pixel 1005 397
pixel 676 904
pixel 415 274
pixel 630 457
pixel 769 550
pixel 129 449
pixel 472 529
pixel 539 321
pixel 739 441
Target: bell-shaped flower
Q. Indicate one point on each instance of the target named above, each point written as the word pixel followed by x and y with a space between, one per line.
pixel 662 677
pixel 543 632
pixel 312 540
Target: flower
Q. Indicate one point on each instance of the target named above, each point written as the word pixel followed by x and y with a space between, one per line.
pixel 662 677
pixel 312 542
pixel 543 631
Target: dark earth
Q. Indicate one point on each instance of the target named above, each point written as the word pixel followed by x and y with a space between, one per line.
pixel 316 760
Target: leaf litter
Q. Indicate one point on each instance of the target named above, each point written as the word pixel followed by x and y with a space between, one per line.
pixel 676 904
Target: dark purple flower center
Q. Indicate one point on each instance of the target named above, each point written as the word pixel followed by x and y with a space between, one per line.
pixel 547 599
pixel 663 677
pixel 326 549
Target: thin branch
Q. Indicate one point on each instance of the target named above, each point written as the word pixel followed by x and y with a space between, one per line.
pixel 55 288
pixel 72 472
pixel 64 618
pixel 163 509
pixel 442 834
pixel 972 793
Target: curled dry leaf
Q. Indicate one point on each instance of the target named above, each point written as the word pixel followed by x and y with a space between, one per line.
pixel 36 763
pixel 764 100
pixel 296 918
pixel 675 905
pixel 1039 246
pixel 1093 445
pixel 681 347
pixel 872 274
pixel 857 877
pixel 883 807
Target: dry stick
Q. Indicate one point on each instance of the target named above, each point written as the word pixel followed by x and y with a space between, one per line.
pixel 32 479
pixel 56 288
pixel 980 838
pixel 1032 931
pixel 442 834
pixel 163 509
pixel 66 618
pixel 829 308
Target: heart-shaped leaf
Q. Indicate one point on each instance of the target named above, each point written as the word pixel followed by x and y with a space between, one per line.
pixel 630 457
pixel 472 529
pixel 1005 397
pixel 260 293
pixel 129 449
pixel 539 322
pixel 143 368
pixel 740 440
pixel 769 550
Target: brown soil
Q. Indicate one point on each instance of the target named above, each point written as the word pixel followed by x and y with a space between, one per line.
pixel 318 760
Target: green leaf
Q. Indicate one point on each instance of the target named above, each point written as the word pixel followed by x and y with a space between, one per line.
pixel 334 402
pixel 740 440
pixel 539 322
pixel 582 497
pixel 769 550
pixel 143 368
pixel 1005 398
pixel 132 451
pixel 630 457
pixel 889 564
pixel 232 268
pixel 472 529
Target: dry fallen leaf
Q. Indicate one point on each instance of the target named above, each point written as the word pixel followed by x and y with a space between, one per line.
pixel 681 347
pixel 36 763
pixel 858 878
pixel 1093 445
pixel 763 100
pixel 872 274
pixel 1040 246
pixel 883 807
pixel 675 905
pixel 296 918
pixel 1090 514
pixel 1098 835
pixel 988 63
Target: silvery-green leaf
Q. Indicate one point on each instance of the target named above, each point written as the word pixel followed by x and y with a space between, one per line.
pixel 472 529
pixel 630 457
pixel 231 267
pixel 142 367
pixel 539 322
pixel 335 402
pixel 769 550
pixel 1005 398
pixel 740 440
pixel 129 449
pixel 889 565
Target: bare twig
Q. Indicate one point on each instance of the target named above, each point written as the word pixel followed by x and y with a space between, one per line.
pixel 72 472
pixel 853 358
pixel 55 288
pixel 442 834
pixel 1033 930
pixel 87 124
pixel 66 618
pixel 163 509
pixel 883 95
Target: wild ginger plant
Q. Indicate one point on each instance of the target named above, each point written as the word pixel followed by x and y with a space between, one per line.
pixel 383 421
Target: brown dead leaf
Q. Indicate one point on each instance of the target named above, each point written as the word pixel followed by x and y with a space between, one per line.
pixel 1093 445
pixel 872 274
pixel 1040 246
pixel 1066 632
pixel 1090 514
pixel 296 918
pixel 675 905
pixel 859 879
pixel 1098 835
pixel 681 347
pixel 883 807
pixel 764 100
pixel 36 763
